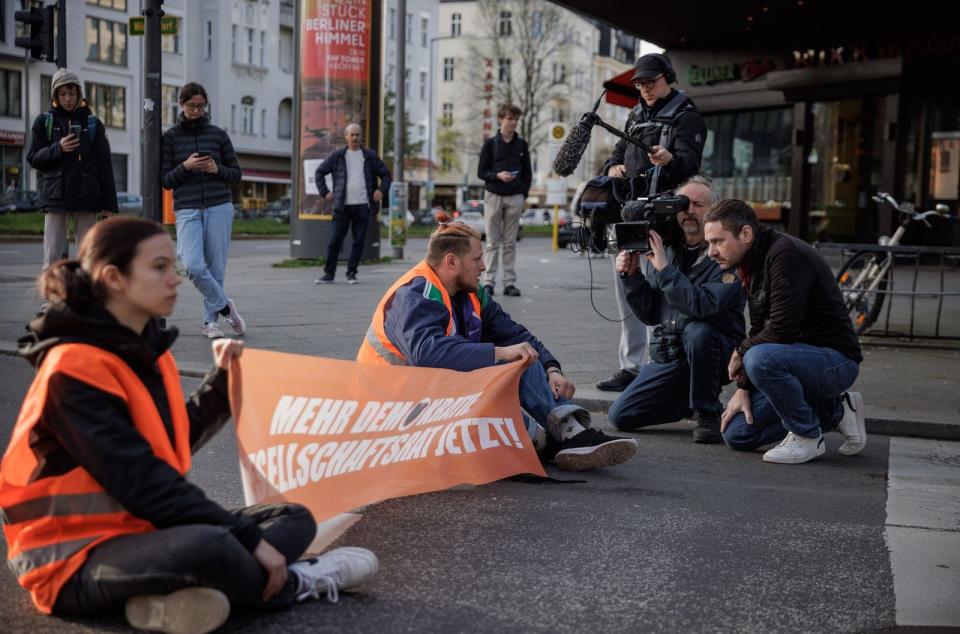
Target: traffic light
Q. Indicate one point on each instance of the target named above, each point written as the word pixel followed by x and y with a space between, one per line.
pixel 38 22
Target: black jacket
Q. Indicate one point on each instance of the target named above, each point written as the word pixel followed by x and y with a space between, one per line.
pixel 81 181
pixel 499 156
pixel 374 170
pixel 687 136
pixel 198 190
pixel 82 425
pixel 794 297
pixel 670 299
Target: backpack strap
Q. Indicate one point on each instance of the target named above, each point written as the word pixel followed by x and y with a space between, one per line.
pixel 91 128
pixel 48 125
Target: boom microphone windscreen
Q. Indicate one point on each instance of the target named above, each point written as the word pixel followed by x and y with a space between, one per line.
pixel 570 153
pixel 633 210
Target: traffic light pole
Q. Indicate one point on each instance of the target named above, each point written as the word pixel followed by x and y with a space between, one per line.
pixel 152 111
pixel 61 33
pixel 27 133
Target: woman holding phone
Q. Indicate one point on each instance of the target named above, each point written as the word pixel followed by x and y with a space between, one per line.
pixel 70 151
pixel 199 164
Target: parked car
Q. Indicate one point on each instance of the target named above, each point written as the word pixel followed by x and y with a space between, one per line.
pixel 130 204
pixel 20 201
pixel 385 217
pixel 537 215
pixel 475 220
pixel 279 210
pixel 469 206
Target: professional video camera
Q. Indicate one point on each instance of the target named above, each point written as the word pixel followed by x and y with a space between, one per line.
pixel 658 212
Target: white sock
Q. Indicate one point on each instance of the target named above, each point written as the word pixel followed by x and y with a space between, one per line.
pixel 569 428
pixel 539 438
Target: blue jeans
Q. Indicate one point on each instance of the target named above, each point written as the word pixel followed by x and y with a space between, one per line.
pixel 665 392
pixel 357 217
pixel 541 407
pixel 797 388
pixel 203 241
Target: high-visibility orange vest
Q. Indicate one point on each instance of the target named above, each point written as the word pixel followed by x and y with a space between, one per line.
pixel 52 523
pixel 376 347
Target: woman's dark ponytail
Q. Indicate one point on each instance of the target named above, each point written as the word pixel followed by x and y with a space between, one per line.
pixel 66 281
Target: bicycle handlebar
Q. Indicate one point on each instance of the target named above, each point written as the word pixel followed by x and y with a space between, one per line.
pixel 906 208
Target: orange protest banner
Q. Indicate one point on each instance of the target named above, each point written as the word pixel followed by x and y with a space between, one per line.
pixel 336 435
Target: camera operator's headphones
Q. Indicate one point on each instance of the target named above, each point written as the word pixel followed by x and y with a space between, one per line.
pixel 668 73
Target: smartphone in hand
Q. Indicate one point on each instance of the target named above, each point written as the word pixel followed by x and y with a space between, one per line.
pixel 75 130
pixel 203 154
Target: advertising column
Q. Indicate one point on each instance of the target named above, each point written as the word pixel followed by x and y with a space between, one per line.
pixel 337 83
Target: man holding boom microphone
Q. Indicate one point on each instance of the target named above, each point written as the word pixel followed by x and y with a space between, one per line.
pixel 698 313
pixel 668 123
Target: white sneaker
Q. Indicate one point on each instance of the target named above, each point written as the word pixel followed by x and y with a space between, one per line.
pixel 211 330
pixel 796 449
pixel 853 424
pixel 234 319
pixel 187 611
pixel 339 569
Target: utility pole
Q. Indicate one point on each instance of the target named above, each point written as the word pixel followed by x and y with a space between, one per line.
pixel 61 33
pixel 399 111
pixel 152 111
pixel 27 133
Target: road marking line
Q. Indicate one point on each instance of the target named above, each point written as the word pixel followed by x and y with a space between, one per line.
pixel 923 530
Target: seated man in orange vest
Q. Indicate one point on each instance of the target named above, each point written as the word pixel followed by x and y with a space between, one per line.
pixel 438 316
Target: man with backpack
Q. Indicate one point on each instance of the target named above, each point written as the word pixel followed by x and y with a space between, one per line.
pixel 70 151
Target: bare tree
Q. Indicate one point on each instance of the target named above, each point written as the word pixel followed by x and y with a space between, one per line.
pixel 510 60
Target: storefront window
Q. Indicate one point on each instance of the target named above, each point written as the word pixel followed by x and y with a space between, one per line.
pixel 748 154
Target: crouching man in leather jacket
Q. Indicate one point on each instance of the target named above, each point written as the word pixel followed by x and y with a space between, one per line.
pixel 697 311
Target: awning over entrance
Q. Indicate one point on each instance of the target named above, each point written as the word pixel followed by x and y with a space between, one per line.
pixel 620 92
pixel 265 176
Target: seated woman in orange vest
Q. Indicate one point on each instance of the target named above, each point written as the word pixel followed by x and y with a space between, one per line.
pixel 98 513
pixel 438 316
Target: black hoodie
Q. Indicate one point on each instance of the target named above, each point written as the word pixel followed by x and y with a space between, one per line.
pixel 84 426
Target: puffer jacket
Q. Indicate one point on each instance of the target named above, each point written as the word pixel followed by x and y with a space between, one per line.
pixel 78 181
pixel 376 176
pixel 198 190
pixel 670 300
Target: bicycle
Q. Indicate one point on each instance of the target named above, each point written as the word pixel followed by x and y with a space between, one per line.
pixel 864 277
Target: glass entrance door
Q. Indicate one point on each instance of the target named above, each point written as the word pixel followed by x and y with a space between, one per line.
pixel 844 170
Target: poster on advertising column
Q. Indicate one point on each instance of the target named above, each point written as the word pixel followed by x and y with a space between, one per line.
pixel 338 84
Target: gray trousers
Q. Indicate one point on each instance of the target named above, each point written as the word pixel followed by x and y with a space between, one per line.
pixel 501 219
pixel 633 332
pixel 55 232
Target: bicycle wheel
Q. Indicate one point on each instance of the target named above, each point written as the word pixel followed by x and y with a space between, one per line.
pixel 863 307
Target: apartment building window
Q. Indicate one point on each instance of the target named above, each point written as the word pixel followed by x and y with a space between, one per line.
pixel 119 164
pixel 247 112
pixel 10 93
pixel 45 82
pixel 263 122
pixel 286 49
pixel 392 23
pixel 106 42
pixel 447 114
pixel 233 117
pixel 248 59
pixel 171 43
pixel 503 69
pixel 169 96
pixel 447 69
pixel 559 73
pixel 406 81
pixel 233 43
pixel 455 23
pixel 108 102
pixel 409 27
pixel 119 5
pixel 423 85
pixel 285 119
pixel 504 26
pixel 424 32
pixel 209 39
pixel 3 21
pixel 445 163
pixel 422 130
pixel 263 48
pixel 536 29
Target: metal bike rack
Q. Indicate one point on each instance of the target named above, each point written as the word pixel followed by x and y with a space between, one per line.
pixel 949 259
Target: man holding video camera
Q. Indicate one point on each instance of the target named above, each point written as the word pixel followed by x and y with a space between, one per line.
pixel 667 121
pixel 698 312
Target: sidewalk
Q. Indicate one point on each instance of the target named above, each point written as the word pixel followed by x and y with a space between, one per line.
pixel 908 391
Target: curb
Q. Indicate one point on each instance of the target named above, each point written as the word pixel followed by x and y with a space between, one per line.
pixel 882 426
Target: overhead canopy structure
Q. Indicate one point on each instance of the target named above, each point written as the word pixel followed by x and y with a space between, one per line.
pixel 781 25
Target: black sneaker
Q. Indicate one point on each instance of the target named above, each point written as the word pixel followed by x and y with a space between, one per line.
pixel 488 289
pixel 618 382
pixel 511 291
pixel 326 279
pixel 707 430
pixel 351 278
pixel 591 449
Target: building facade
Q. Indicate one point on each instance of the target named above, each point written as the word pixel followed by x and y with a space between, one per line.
pixel 241 51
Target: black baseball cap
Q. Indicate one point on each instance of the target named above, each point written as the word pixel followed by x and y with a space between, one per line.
pixel 651 65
